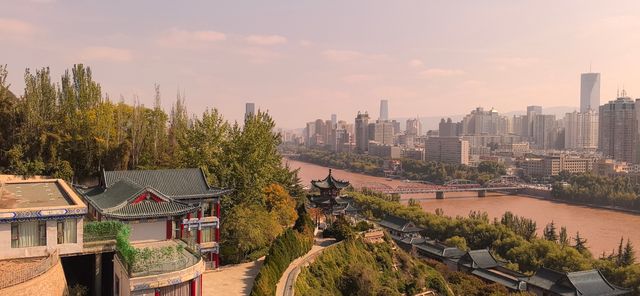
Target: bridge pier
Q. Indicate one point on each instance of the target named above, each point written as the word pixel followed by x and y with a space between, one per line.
pixel 439 194
pixel 482 193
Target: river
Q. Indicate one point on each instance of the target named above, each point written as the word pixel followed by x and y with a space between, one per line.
pixel 602 228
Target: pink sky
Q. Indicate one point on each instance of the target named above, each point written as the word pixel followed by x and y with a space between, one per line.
pixel 303 61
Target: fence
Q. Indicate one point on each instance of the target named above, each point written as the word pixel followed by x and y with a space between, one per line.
pixel 25 273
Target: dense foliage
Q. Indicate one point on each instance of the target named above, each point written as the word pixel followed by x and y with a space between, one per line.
pixel 526 254
pixel 70 129
pixel 430 171
pixel 291 244
pixel 599 190
pixel 104 230
pixel 354 267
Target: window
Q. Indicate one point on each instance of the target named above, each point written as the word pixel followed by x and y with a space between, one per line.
pixel 207 209
pixel 207 234
pixel 67 231
pixel 176 228
pixel 28 234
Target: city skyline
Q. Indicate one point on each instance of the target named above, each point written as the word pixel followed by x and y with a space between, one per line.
pixel 289 57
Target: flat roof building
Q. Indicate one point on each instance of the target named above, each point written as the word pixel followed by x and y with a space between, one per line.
pixel 38 217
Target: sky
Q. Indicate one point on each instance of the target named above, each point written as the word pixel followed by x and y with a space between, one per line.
pixel 303 60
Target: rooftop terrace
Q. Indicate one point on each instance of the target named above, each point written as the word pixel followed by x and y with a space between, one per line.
pixel 32 195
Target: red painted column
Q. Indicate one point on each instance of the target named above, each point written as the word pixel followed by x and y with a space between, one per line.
pixel 193 287
pixel 218 215
pixel 216 260
pixel 169 228
pixel 199 233
pixel 200 290
pixel 157 293
pixel 188 232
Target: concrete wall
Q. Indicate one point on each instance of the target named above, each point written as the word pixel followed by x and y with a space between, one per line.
pixel 50 283
pixel 120 272
pixel 142 231
pixel 7 252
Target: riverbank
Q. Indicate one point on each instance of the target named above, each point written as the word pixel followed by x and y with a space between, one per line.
pixel 601 227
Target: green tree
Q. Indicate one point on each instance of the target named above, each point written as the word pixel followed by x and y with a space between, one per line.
pixel 550 232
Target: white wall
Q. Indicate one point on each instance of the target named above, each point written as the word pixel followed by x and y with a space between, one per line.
pixel 7 252
pixel 142 231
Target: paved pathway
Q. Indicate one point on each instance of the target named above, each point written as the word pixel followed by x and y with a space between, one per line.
pixel 231 280
pixel 287 281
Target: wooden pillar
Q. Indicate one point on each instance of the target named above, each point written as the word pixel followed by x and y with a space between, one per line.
pixel 169 228
pixel 199 231
pixel 193 287
pixel 200 284
pixel 157 292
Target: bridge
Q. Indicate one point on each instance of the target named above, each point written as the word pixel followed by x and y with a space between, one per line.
pixel 510 184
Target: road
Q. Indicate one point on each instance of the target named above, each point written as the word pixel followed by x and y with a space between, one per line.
pixel 288 279
pixel 231 280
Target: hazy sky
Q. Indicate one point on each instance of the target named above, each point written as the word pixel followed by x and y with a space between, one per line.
pixel 303 60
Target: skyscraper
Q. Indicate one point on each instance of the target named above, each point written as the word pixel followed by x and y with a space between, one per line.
pixel 334 120
pixel 414 127
pixel 250 110
pixel 384 110
pixel 618 128
pixel 527 125
pixel 589 92
pixel 545 132
pixel 362 132
pixel 581 130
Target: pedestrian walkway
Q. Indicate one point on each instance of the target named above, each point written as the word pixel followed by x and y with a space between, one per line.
pixel 287 280
pixel 231 280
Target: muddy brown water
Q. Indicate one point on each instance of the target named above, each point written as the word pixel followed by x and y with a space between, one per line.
pixel 602 228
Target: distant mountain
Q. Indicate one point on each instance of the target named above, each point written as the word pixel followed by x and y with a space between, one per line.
pixel 431 122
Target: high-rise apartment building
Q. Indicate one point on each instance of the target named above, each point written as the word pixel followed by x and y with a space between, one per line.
pixel 545 131
pixel 447 149
pixel 334 120
pixel 527 123
pixel 447 128
pixel 581 130
pixel 383 133
pixel 589 92
pixel 362 132
pixel 384 110
pixel 249 110
pixel 414 127
pixel 618 129
pixel 481 122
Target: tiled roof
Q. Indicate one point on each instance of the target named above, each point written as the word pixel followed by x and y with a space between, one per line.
pixel 440 250
pixel 479 259
pixel 495 277
pixel 113 196
pixel 582 283
pixel 330 183
pixel 151 209
pixel 398 224
pixel 175 183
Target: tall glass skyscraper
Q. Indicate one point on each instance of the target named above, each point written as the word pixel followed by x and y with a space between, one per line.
pixel 384 110
pixel 589 92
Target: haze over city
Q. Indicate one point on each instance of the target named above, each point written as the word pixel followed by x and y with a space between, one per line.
pixel 331 57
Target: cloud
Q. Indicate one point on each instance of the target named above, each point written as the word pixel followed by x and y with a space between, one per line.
pixel 356 78
pixel 265 39
pixel 513 62
pixel 259 55
pixel 14 29
pixel 435 72
pixel 349 55
pixel 305 43
pixel 105 53
pixel 416 63
pixel 190 39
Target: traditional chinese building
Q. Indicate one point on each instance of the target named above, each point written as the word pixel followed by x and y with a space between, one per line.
pixel 162 205
pixel 329 198
pixel 588 283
